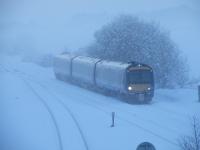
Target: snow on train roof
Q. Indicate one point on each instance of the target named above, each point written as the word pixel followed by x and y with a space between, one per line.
pixel 114 63
pixel 107 62
pixel 87 59
pixel 104 62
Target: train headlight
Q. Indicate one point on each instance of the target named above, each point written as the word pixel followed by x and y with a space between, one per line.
pixel 129 88
pixel 149 88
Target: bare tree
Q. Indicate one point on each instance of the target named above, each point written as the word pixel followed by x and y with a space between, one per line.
pixel 192 142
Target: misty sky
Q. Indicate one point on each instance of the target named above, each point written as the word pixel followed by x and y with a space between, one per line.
pixel 43 26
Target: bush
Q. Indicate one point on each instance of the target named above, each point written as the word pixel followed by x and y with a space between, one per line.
pixel 129 39
pixel 192 142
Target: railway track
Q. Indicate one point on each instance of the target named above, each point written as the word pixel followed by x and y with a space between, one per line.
pixel 49 109
pixel 162 109
pixel 101 107
pixel 69 111
pixel 45 104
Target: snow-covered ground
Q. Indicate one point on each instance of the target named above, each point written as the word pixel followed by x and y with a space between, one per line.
pixel 39 112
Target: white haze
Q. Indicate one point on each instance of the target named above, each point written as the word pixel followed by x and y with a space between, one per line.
pixel 49 26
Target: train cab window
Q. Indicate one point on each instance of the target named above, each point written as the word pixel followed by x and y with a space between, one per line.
pixel 140 76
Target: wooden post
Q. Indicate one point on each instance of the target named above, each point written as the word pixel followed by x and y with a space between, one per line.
pixel 199 92
pixel 113 119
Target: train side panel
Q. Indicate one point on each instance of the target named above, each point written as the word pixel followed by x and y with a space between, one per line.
pixel 62 65
pixel 110 75
pixel 83 69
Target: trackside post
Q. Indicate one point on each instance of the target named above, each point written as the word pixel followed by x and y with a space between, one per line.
pixel 113 119
pixel 199 92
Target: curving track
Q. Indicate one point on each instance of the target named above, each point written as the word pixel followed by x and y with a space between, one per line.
pixel 148 119
pixel 104 107
pixel 48 108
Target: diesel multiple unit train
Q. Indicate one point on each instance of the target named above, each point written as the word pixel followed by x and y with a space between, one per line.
pixel 132 82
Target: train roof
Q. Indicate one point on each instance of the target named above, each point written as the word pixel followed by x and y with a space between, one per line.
pixel 95 59
pixel 86 58
pixel 134 64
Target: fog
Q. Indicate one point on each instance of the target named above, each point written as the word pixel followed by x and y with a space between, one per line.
pixel 50 26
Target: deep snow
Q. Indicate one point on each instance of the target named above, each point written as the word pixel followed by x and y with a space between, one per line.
pixel 84 117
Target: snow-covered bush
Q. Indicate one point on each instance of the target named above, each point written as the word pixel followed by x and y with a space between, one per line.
pixel 193 82
pixel 192 142
pixel 129 39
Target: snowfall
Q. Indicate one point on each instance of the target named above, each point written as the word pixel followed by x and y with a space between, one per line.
pixel 39 112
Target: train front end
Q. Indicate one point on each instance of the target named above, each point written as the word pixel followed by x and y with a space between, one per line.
pixel 140 82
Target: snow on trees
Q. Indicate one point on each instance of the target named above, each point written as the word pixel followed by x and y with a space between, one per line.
pixel 129 39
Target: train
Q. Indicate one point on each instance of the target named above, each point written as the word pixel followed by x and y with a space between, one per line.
pixel 132 82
